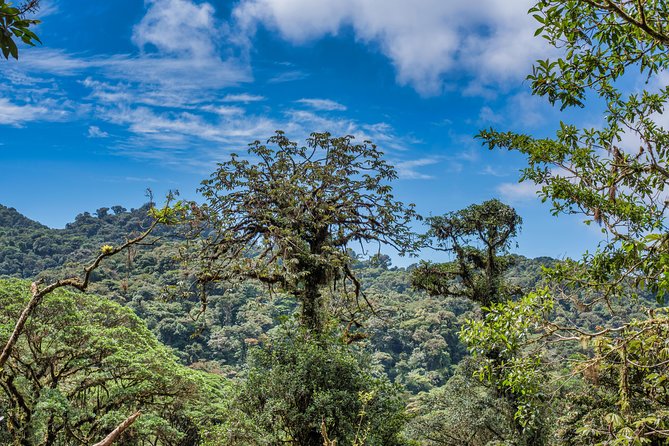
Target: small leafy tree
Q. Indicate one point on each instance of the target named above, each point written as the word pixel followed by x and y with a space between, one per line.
pixel 14 25
pixel 300 393
pixel 287 215
pixel 500 342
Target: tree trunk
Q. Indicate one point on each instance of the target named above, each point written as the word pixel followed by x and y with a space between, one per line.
pixel 312 311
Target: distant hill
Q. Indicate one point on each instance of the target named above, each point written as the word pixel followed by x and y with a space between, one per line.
pixel 28 248
pixel 11 218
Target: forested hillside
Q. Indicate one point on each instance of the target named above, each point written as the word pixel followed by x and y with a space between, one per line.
pixel 407 335
pixel 263 313
pixel 413 335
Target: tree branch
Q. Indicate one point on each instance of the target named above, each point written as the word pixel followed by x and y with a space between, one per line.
pixel 80 284
pixel 116 433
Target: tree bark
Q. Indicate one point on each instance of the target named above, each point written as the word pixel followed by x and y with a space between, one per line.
pixel 116 433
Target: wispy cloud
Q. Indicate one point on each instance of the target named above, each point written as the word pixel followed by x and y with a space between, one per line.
pixel 520 110
pixel 408 169
pixel 179 65
pixel 322 104
pixel 223 110
pixel 16 114
pixel 179 61
pixel 47 8
pixel 518 192
pixel 141 179
pixel 288 76
pixel 242 97
pixel 487 116
pixel 171 100
pixel 95 132
pixel 489 170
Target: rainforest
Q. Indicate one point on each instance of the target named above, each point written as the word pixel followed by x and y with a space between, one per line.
pixel 298 295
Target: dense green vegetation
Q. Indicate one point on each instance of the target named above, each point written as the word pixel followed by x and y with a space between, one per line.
pixel 414 335
pixel 247 319
pixel 84 363
pixel 412 340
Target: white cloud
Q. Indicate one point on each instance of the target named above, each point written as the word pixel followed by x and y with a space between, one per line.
pixel 288 76
pixel 408 169
pixel 322 104
pixel 180 65
pixel 95 132
pixel 184 133
pixel 488 116
pixel 223 110
pixel 178 27
pixel 173 95
pixel 179 62
pixel 52 62
pixel 526 110
pixel 428 41
pixel 140 179
pixel 516 192
pixel 489 170
pixel 19 114
pixel 192 140
pixel 242 97
pixel 155 74
pixel 521 110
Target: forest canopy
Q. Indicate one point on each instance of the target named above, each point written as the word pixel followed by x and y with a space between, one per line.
pixel 268 312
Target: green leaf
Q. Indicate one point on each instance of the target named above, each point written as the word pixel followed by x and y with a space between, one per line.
pixel 13 50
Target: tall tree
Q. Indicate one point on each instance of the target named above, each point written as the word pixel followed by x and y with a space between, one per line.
pixel 615 175
pixel 479 237
pixel 286 215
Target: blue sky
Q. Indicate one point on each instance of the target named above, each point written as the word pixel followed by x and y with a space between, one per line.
pixel 129 95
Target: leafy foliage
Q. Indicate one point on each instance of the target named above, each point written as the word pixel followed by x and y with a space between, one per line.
pixel 500 341
pixel 83 364
pixel 476 235
pixel 614 175
pixel 297 390
pixel 629 378
pixel 14 25
pixel 286 216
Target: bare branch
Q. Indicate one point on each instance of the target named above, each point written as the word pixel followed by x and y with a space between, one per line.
pixel 116 433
